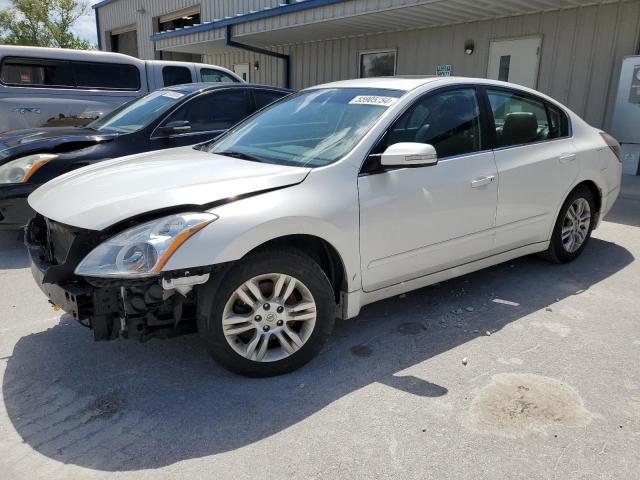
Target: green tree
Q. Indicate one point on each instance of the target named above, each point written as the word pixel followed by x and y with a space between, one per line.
pixel 43 23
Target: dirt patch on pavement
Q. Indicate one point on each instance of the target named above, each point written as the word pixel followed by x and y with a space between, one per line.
pixel 104 407
pixel 516 405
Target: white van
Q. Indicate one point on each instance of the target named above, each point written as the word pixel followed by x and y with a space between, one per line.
pixel 57 87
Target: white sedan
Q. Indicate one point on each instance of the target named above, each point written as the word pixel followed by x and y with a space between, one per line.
pixel 328 200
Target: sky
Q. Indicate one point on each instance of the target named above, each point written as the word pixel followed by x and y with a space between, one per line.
pixel 85 27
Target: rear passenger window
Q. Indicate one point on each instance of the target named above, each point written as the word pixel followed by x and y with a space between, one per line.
pixel 176 76
pixel 266 97
pixel 518 119
pixel 36 72
pixel 450 121
pixel 213 111
pixel 108 76
pixel 209 75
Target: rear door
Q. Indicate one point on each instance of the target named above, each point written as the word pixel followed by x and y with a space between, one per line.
pixel 210 114
pixel 536 163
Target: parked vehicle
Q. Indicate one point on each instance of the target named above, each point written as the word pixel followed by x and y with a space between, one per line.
pixel 170 117
pixel 51 87
pixel 328 200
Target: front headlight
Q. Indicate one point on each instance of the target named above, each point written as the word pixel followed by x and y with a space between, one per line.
pixel 21 169
pixel 143 251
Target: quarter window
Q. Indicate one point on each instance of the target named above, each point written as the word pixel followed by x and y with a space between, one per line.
pixel 176 76
pixel 450 121
pixel 211 75
pixel 214 111
pixel 520 120
pixel 378 64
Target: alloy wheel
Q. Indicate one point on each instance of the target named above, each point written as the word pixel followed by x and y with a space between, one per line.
pixel 575 227
pixel 269 317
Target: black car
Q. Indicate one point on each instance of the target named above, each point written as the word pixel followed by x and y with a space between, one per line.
pixel 171 117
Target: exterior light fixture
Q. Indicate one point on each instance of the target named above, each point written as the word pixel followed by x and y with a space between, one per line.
pixel 469 47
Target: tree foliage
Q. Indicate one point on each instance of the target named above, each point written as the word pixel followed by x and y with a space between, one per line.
pixel 43 23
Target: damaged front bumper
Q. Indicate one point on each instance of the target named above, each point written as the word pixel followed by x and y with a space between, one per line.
pixel 160 306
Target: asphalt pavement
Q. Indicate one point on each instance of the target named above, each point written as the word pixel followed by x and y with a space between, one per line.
pixel 526 370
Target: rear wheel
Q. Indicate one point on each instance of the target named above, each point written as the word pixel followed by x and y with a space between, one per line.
pixel 573 227
pixel 271 313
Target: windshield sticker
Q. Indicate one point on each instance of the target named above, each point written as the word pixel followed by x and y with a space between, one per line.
pixel 174 95
pixel 373 100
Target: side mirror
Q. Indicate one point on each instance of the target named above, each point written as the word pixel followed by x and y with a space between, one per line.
pixel 409 155
pixel 175 128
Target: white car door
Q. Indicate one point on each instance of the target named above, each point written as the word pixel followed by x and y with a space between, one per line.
pixel 417 221
pixel 536 165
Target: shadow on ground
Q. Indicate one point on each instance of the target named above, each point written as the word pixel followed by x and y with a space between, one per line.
pixel 12 251
pixel 120 405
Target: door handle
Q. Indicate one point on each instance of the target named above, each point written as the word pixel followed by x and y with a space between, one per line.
pixel 482 181
pixel 566 158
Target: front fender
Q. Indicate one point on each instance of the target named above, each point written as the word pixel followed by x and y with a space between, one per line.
pixel 302 209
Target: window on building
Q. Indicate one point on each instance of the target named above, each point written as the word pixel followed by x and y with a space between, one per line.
pixel 213 111
pixel 179 19
pixel 450 121
pixel 520 119
pixel 211 75
pixel 36 72
pixel 112 76
pixel 378 64
pixel 176 76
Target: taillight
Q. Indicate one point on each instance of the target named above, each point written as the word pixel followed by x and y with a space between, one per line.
pixel 613 145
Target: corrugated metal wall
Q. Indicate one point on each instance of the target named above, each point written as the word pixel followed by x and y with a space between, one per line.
pixel 125 12
pixel 582 51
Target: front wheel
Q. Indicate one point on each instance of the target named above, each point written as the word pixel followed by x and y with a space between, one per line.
pixel 573 227
pixel 269 315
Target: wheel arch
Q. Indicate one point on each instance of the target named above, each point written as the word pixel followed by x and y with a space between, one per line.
pixel 323 252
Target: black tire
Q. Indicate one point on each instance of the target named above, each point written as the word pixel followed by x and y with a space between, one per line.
pixel 556 251
pixel 215 294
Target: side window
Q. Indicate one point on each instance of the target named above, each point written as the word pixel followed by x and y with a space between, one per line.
pixel 176 76
pixel 213 111
pixel 36 72
pixel 266 97
pixel 518 119
pixel 209 75
pixel 450 121
pixel 106 76
pixel 558 122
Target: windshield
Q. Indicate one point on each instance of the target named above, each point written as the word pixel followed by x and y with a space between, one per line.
pixel 313 128
pixel 137 114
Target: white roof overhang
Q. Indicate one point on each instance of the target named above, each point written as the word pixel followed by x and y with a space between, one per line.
pixel 313 20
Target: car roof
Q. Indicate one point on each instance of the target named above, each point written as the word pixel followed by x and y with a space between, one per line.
pixel 68 54
pixel 199 87
pixel 408 83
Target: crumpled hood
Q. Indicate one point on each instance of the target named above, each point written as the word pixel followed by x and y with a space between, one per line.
pixel 23 142
pixel 100 195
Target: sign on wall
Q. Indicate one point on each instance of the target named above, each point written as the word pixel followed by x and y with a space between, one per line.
pixel 443 70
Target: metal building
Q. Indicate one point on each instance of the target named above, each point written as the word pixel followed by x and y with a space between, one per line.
pixel 569 49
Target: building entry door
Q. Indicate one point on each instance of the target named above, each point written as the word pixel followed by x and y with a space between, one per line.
pixel 516 60
pixel 242 70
